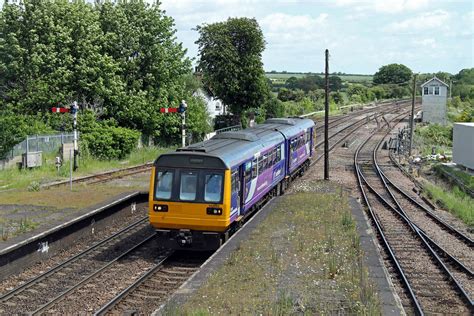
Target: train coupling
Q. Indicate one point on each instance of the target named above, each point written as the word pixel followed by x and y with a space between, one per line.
pixel 184 238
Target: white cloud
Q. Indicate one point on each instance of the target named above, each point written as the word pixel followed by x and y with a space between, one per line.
pixel 424 21
pixel 385 6
pixel 286 22
pixel 427 42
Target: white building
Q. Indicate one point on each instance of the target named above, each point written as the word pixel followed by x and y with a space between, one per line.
pixel 214 105
pixel 463 144
pixel 434 96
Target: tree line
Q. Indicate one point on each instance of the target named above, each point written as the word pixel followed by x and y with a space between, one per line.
pixel 120 61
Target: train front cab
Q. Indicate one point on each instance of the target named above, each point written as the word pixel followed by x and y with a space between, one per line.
pixel 189 201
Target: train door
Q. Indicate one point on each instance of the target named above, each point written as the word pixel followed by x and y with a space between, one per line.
pixel 236 200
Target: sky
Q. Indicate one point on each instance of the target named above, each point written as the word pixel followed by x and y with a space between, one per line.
pixel 361 35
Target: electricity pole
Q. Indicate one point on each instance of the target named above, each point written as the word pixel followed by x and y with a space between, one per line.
pixel 326 119
pixel 412 116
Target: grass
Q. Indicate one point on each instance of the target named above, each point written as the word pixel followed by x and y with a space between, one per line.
pixel 22 179
pixel 12 228
pixel 456 201
pixel 81 196
pixel 464 177
pixel 305 257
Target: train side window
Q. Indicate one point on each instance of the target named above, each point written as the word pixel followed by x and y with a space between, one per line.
pixel 248 171
pixel 278 153
pixel 164 183
pixel 264 162
pixel 254 168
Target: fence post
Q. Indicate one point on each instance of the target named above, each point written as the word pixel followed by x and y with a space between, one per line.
pixel 27 145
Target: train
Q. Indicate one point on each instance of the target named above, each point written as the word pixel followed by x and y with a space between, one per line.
pixel 202 193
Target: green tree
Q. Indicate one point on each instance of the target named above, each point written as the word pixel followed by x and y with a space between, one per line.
pixel 393 73
pixel 335 83
pixel 230 58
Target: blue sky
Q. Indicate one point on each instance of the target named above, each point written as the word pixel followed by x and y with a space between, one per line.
pixel 361 35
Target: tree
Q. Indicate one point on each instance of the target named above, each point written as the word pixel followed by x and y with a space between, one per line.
pixel 393 73
pixel 335 83
pixel 230 58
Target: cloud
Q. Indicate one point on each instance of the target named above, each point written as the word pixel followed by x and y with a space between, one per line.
pixel 424 21
pixel 286 22
pixel 383 6
pixel 427 42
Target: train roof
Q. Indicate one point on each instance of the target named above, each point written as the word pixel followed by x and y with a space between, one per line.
pixel 233 147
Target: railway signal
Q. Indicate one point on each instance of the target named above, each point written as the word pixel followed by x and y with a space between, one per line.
pixel 59 110
pixel 182 110
pixel 74 109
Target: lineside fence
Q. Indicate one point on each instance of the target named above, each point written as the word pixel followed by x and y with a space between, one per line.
pixel 36 143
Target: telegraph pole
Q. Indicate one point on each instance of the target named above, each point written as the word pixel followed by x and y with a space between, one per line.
pixel 326 119
pixel 412 116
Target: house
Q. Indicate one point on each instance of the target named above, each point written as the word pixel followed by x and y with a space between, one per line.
pixel 434 96
pixel 214 106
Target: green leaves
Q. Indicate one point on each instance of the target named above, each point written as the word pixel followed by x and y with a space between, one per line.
pixel 120 60
pixel 393 73
pixel 230 57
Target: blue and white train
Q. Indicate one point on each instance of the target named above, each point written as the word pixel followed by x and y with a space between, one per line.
pixel 202 193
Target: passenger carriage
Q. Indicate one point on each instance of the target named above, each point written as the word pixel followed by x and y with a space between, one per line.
pixel 201 193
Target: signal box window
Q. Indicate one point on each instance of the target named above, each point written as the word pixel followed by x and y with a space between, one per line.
pixel 436 90
pixel 164 183
pixel 213 188
pixel 187 191
pixel 425 90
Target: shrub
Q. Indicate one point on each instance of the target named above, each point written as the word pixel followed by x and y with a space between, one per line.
pixel 110 142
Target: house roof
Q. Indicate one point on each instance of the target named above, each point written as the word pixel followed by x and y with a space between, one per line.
pixel 436 79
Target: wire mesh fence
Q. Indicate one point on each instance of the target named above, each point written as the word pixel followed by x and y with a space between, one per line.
pixel 36 143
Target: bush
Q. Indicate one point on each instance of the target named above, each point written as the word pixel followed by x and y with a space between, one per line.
pixel 436 135
pixel 110 142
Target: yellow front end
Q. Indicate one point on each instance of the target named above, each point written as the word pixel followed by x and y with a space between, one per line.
pixel 193 216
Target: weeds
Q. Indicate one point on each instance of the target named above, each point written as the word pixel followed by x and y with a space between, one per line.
pixel 456 202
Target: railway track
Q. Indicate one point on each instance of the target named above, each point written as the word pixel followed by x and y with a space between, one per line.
pixel 155 286
pixel 435 281
pixel 342 134
pixel 102 273
pixel 56 282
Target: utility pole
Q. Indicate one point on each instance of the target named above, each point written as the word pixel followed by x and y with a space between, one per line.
pixel 326 119
pixel 412 116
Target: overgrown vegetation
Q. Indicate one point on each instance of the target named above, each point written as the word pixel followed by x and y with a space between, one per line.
pixel 434 135
pixel 119 60
pixel 312 264
pixel 466 179
pixel 454 201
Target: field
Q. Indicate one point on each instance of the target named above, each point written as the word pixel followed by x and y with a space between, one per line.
pixel 280 77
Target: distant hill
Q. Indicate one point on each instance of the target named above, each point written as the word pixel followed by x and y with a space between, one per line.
pixel 281 77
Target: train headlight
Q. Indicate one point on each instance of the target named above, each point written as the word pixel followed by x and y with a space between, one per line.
pixel 160 208
pixel 214 211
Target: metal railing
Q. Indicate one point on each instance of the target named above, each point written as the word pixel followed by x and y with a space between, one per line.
pixel 35 143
